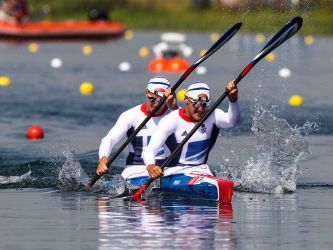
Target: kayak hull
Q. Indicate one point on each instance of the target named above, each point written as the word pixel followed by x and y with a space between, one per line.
pixel 191 185
pixel 85 30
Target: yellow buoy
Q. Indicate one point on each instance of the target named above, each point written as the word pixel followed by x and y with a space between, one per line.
pixel 270 57
pixel 181 94
pixel 143 52
pixel 260 38
pixel 5 81
pixel 129 35
pixel 296 100
pixel 202 52
pixel 87 50
pixel 33 47
pixel 309 40
pixel 86 88
pixel 214 37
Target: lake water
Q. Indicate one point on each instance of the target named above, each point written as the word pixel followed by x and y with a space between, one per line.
pixel 279 156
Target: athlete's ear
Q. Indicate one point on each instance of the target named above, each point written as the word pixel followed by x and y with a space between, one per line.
pixel 186 100
pixel 146 91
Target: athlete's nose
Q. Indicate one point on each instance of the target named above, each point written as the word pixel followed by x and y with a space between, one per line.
pixel 201 109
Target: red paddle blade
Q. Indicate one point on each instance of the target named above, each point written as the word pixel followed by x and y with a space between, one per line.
pixel 139 192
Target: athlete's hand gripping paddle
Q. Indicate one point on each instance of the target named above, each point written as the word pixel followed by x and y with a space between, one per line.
pixel 283 35
pixel 218 44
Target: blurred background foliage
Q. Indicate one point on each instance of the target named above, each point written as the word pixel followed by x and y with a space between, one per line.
pixel 194 15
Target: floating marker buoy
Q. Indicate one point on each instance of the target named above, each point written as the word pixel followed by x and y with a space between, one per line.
pixel 181 95
pixel 201 70
pixel 144 52
pixel 157 65
pixel 5 81
pixel 56 63
pixel 87 50
pixel 33 47
pixel 202 52
pixel 175 66
pixel 309 40
pixel 35 133
pixel 270 57
pixel 260 38
pixel 284 73
pixel 129 35
pixel 86 88
pixel 296 101
pixel 124 66
pixel 214 37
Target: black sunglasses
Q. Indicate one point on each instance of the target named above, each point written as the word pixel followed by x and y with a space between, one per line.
pixel 199 103
pixel 153 98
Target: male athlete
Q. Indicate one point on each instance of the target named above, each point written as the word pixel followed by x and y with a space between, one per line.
pixel 174 127
pixel 129 120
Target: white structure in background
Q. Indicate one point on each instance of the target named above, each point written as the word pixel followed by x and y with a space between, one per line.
pixel 172 45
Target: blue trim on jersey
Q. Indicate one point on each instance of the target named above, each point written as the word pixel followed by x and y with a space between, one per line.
pixel 134 158
pixel 160 152
pixel 171 143
pixel 196 150
pixel 213 138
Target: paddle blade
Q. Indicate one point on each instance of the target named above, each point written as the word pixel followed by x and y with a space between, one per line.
pixel 220 42
pixel 139 192
pixel 92 182
pixel 283 35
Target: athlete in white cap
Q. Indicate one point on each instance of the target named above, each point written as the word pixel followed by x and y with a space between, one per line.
pixel 173 128
pixel 129 120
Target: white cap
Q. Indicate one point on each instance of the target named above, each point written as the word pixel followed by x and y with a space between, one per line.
pixel 158 83
pixel 195 89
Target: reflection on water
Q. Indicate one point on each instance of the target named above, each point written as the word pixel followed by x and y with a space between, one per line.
pixel 267 220
pixel 170 223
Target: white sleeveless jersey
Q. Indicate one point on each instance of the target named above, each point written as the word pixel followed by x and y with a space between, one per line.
pixel 127 122
pixel 174 127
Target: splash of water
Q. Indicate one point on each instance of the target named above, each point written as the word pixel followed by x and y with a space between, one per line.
pixel 15 179
pixel 72 177
pixel 114 186
pixel 279 147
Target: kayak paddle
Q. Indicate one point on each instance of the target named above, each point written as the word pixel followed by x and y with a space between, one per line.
pixel 218 44
pixel 283 35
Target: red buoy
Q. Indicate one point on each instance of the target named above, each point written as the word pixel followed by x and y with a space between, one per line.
pixel 35 133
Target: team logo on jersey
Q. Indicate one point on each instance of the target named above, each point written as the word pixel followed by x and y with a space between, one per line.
pixel 184 133
pixel 203 128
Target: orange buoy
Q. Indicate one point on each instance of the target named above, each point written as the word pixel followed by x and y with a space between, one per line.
pixel 35 133
pixel 173 65
pixel 178 65
pixel 157 65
